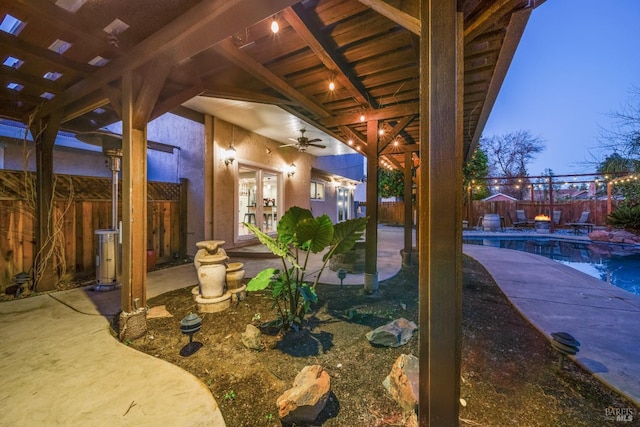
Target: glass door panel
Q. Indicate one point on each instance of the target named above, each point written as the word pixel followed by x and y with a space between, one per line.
pixel 247 197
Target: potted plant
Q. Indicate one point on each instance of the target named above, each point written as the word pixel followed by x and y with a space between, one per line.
pixel 300 234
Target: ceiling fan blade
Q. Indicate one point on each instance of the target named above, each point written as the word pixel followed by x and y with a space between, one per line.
pixel 292 139
pixel 314 140
pixel 288 145
pixel 318 145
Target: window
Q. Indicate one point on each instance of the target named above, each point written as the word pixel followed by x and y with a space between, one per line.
pixel 317 190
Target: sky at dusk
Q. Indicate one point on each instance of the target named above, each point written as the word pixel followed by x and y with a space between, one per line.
pixel 576 63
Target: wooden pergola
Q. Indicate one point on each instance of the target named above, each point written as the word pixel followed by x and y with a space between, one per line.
pixel 427 73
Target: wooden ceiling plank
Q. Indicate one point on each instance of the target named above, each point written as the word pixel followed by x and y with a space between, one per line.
pixel 398 16
pixel 512 38
pixel 384 113
pixel 320 46
pixel 208 15
pixel 245 62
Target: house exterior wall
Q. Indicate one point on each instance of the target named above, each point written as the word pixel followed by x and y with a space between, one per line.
pixel 256 151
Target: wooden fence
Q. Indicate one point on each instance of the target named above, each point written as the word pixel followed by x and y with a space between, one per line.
pixel 393 212
pixel 82 205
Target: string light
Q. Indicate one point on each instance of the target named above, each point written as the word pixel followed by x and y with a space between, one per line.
pixel 274 26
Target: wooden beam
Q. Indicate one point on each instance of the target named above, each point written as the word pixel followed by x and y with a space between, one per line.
pixel 83 106
pixel 400 149
pixel 33 83
pixel 487 18
pixel 410 22
pixel 175 101
pixel 245 62
pixel 28 52
pixel 511 40
pixel 115 98
pixel 385 113
pixel 154 78
pixel 440 229
pixel 199 28
pixel 327 54
pixel 240 94
pixel 355 135
pixel 399 127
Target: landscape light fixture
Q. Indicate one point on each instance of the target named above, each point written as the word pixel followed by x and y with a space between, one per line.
pixel 274 26
pixel 291 170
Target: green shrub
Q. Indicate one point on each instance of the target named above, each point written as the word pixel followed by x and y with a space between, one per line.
pixel 627 217
pixel 298 235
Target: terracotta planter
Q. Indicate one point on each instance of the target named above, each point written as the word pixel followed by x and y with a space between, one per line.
pixel 151 259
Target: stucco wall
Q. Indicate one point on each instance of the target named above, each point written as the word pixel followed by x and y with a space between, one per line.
pixel 256 151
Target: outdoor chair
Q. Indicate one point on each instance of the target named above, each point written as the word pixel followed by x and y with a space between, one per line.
pixel 582 223
pixel 521 219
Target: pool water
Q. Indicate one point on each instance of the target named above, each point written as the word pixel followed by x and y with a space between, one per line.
pixel 618 265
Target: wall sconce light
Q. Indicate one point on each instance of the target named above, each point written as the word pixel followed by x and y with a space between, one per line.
pixel 291 170
pixel 229 155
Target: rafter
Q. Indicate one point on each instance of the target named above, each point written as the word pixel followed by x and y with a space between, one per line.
pixel 385 113
pixel 68 22
pixel 28 52
pixel 355 135
pixel 175 101
pixel 240 94
pixel 201 27
pixel 326 53
pixel 154 78
pixel 487 18
pixel 37 83
pixel 400 17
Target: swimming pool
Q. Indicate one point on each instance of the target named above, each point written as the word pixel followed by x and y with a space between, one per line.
pixel 618 265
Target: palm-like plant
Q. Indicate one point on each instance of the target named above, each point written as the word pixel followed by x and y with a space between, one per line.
pixel 299 234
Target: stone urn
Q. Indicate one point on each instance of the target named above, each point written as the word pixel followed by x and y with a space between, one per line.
pixel 210 261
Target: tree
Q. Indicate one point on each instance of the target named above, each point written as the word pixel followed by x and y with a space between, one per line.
pixel 509 154
pixel 629 191
pixel 474 171
pixel 390 183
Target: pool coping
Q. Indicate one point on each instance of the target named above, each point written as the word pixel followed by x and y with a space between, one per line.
pixel 554 298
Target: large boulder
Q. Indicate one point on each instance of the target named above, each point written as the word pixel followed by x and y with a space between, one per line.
pixel 393 334
pixel 402 382
pixel 615 236
pixel 302 403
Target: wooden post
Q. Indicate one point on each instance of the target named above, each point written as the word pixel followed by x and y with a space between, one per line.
pixel 134 204
pixel 609 189
pixel 44 134
pixel 440 247
pixel 408 208
pixel 371 239
pixel 184 183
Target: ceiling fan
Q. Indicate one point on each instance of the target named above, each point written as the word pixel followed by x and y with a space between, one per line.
pixel 303 142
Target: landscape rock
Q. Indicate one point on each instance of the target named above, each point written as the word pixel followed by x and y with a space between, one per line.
pixel 393 334
pixel 615 236
pixel 402 382
pixel 252 338
pixel 302 403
